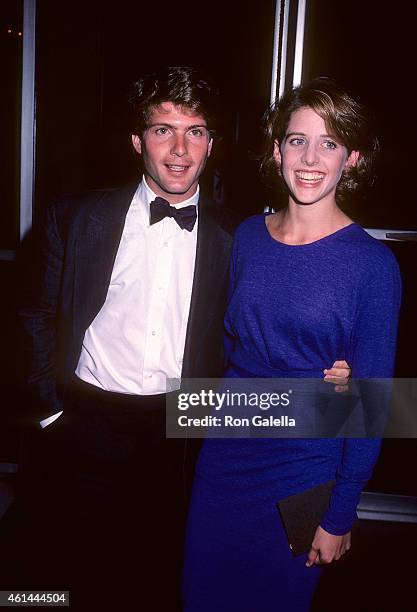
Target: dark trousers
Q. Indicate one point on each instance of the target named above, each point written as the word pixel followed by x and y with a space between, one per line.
pixel 106 504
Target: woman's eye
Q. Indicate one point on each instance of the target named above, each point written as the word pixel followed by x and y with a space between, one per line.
pixel 297 141
pixel 329 144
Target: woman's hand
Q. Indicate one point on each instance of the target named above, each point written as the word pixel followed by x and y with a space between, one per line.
pixel 339 374
pixel 327 547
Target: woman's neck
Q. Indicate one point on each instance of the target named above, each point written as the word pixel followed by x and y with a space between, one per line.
pixel 301 224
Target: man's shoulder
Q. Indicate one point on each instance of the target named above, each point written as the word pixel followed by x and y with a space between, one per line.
pixel 74 205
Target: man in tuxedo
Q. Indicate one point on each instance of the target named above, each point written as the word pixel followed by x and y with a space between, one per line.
pixel 130 291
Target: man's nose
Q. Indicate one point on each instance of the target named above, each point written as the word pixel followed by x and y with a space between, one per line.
pixel 179 145
pixel 310 155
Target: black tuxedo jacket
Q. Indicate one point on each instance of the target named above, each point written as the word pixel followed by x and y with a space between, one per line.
pixel 78 243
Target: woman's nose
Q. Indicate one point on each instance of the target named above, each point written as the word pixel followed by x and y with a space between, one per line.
pixel 310 156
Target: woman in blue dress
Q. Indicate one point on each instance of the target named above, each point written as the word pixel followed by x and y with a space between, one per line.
pixel 308 286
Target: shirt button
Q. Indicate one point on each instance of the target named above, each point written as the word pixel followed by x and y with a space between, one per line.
pixel 165 243
pixel 154 333
pixel 149 376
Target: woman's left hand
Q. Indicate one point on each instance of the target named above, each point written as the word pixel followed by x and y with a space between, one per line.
pixel 327 547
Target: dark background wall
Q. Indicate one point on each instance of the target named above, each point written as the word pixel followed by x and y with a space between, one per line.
pixel 90 53
pixel 10 67
pixel 369 46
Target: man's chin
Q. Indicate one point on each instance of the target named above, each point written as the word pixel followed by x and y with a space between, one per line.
pixel 176 189
pixel 179 189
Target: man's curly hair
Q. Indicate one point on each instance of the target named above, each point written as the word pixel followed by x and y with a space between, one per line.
pixel 183 86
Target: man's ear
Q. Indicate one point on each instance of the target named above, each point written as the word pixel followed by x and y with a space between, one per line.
pixel 137 143
pixel 210 144
pixel 277 152
pixel 352 160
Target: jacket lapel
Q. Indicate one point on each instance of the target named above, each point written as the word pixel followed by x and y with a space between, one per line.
pixel 99 238
pixel 210 282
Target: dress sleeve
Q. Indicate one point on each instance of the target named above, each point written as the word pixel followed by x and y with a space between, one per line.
pixel 372 356
pixel 375 332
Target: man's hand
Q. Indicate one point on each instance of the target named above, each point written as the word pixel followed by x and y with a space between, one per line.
pixel 327 547
pixel 339 375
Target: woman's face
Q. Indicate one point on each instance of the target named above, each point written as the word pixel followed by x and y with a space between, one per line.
pixel 312 161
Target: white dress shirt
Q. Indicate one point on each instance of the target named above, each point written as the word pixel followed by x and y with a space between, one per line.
pixel 137 339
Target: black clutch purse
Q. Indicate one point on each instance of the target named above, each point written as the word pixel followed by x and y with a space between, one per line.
pixel 301 515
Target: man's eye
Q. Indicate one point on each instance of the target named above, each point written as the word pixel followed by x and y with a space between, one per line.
pixel 197 132
pixel 161 131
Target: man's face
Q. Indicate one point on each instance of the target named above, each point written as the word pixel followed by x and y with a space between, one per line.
pixel 174 147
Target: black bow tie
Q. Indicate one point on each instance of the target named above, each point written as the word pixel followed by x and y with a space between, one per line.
pixel 185 217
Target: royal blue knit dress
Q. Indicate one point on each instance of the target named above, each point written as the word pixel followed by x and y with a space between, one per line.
pixel 293 310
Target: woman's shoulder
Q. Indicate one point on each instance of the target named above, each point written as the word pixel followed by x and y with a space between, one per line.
pixel 368 247
pixel 372 260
